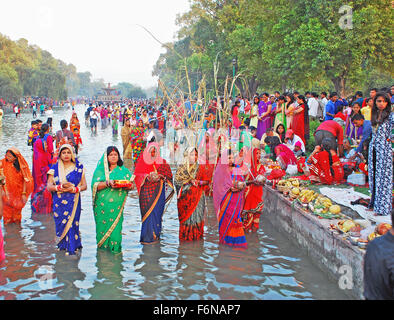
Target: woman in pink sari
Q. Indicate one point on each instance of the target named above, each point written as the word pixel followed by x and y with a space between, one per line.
pixel 228 200
pixel 2 255
pixel 41 198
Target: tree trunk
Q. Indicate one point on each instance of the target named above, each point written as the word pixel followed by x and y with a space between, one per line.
pixel 340 85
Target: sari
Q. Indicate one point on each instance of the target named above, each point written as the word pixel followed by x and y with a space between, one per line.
pixel 299 123
pixel 228 206
pixel 153 196
pixel 108 205
pixel 320 167
pixel 14 180
pixel 280 117
pixel 137 141
pixel 41 198
pixel 2 254
pixel 127 149
pixel 67 206
pixel 285 155
pixel 254 202
pixel 74 122
pixel 265 123
pixel 191 199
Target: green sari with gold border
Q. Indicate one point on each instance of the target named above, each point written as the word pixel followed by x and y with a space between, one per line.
pixel 108 205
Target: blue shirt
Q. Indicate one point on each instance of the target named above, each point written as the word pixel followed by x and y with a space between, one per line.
pixel 367 131
pixel 330 108
pixel 339 103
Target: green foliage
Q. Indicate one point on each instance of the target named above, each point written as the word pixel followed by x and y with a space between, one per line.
pixel 284 44
pixel 28 70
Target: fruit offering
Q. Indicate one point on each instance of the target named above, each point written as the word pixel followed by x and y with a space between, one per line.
pixel 383 228
pixel 346 225
pixel 307 196
pixel 122 184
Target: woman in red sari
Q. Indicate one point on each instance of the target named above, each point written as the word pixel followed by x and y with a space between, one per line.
pixel 301 119
pixel 325 165
pixel 191 179
pixel 41 198
pixel 254 202
pixel 18 185
pixel 153 178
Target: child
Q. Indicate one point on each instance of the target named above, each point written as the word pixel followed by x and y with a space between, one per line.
pixel 77 139
pixel 33 133
pixel 367 110
pixel 255 141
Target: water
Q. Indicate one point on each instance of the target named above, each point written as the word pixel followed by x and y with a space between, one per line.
pixel 271 268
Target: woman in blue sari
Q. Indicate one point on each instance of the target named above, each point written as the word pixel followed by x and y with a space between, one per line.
pixel 66 180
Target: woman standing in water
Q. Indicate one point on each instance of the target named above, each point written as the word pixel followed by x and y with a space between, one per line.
pixel 228 200
pixel 19 185
pixel 41 198
pixel 153 178
pixel 2 183
pixel 126 141
pixel 108 201
pixel 190 181
pixel 66 180
pixel 254 202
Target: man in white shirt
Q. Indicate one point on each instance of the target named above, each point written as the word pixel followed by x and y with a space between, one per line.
pixel 94 115
pixel 291 139
pixel 313 105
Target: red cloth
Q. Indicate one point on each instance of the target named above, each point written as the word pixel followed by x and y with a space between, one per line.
pixel 334 127
pixel 298 124
pixel 286 154
pixel 321 168
pixel 254 193
pixel 276 174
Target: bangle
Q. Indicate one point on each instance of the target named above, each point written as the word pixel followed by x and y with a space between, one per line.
pixel 58 188
pixel 76 190
pixel 24 193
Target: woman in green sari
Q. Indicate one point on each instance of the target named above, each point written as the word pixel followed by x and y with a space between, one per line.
pixel 108 200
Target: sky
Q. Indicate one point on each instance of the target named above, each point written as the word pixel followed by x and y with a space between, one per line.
pixel 102 37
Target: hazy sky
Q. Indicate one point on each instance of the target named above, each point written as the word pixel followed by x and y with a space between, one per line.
pixel 96 35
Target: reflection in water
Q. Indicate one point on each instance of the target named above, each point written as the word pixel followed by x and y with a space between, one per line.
pixel 271 268
pixel 109 279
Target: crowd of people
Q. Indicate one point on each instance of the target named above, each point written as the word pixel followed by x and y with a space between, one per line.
pixel 223 154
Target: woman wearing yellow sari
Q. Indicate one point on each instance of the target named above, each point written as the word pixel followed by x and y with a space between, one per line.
pixel 109 202
pixel 126 141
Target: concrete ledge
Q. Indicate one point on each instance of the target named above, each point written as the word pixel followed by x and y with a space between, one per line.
pixel 327 248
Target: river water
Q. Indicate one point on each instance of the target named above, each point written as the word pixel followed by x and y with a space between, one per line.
pixel 271 268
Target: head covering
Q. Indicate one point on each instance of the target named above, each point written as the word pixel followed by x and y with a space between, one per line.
pixel 24 169
pixel 298 144
pixel 69 147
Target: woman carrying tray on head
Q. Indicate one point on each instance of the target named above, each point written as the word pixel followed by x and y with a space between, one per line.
pixel 108 200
